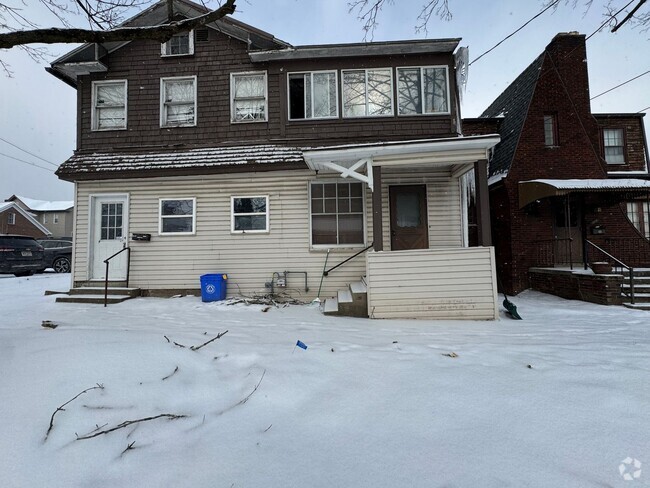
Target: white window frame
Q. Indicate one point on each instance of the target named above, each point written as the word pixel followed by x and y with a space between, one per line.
pixel 392 93
pixel 55 218
pixel 163 112
pixel 422 68
pixel 11 218
pixel 164 45
pixel 322 247
pixel 232 97
pixel 94 120
pixel 160 216
pixel 623 146
pixel 312 73
pixel 233 215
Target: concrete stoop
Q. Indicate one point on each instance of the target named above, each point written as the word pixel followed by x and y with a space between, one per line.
pixel 95 294
pixel 351 302
pixel 641 290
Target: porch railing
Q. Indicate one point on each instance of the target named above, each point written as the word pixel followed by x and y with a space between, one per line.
pixel 635 251
pixel 553 252
pixel 328 271
pixel 600 254
pixel 128 267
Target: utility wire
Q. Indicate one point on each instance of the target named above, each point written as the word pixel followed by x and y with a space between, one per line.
pixel 26 162
pixel 643 110
pixel 31 154
pixel 618 86
pixel 613 16
pixel 552 4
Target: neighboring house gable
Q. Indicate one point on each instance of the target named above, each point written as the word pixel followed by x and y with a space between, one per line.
pixel 56 216
pixel 16 220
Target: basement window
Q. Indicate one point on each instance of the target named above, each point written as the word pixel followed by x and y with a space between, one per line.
pixel 313 95
pixel 178 102
pixel 177 216
pixel 422 90
pixel 181 44
pixel 337 214
pixel 109 105
pixel 614 143
pixel 249 214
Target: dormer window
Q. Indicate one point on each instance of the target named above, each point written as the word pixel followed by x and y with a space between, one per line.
pixel 614 142
pixel 181 44
pixel 109 105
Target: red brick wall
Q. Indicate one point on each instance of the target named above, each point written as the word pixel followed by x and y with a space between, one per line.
pixel 601 289
pixel 22 226
pixel 633 133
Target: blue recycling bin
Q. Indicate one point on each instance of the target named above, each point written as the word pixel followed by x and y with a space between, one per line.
pixel 213 287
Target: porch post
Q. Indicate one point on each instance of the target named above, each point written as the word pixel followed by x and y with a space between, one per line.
pixel 482 203
pixel 377 216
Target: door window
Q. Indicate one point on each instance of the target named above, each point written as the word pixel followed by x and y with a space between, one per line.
pixel 111 221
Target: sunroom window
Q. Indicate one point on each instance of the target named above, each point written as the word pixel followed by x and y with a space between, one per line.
pixel 337 214
pixel 313 95
pixel 248 97
pixel 180 44
pixel 367 92
pixel 250 214
pixel 178 101
pixel 177 216
pixel 422 90
pixel 109 105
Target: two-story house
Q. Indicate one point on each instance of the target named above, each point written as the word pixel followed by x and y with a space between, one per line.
pixel 56 216
pixel 566 186
pixel 16 220
pixel 227 150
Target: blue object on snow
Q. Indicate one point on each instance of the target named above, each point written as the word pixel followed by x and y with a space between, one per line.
pixel 301 345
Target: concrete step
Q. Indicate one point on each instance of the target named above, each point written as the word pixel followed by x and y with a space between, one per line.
pixel 358 287
pixel 99 299
pixel 638 306
pixel 331 306
pixel 638 273
pixel 96 290
pixel 344 296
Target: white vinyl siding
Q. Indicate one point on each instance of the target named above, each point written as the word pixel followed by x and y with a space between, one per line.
pixel 178 101
pixel 447 283
pixel 109 105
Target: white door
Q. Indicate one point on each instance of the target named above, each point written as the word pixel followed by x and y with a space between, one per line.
pixel 108 236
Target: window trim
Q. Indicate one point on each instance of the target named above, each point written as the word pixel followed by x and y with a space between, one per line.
pixel 336 79
pixel 232 96
pixel 94 120
pixel 163 118
pixel 623 141
pixel 267 230
pixel 163 46
pixel 160 216
pixel 556 132
pixel 324 247
pixel 448 112
pixel 366 116
pixel 11 218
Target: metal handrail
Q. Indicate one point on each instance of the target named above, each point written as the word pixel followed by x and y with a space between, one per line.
pixel 327 272
pixel 128 268
pixel 622 264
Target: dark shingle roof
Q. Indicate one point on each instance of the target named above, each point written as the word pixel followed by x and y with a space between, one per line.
pixel 512 105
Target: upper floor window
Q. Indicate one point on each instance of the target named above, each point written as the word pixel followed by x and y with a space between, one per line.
pixel 109 105
pixel 177 216
pixel 614 146
pixel 178 101
pixel 55 218
pixel 422 90
pixel 367 92
pixel 248 97
pixel 11 219
pixel 313 95
pixel 250 214
pixel 550 131
pixel 180 44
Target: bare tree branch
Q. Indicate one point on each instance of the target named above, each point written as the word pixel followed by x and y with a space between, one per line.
pixel 61 409
pixel 219 336
pixel 628 16
pixel 169 416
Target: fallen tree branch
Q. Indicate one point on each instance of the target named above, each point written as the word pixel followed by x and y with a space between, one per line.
pixel 128 448
pixel 171 374
pixel 61 409
pixel 219 336
pixel 174 342
pixel 245 399
pixel 169 416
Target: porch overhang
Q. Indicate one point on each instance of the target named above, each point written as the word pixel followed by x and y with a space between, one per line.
pixel 530 191
pixel 457 153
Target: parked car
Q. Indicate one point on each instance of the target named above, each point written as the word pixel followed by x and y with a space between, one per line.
pixel 57 255
pixel 20 255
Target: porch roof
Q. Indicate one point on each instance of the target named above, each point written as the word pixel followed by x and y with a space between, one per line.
pixel 532 190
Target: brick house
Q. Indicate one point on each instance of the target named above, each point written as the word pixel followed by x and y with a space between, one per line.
pixel 228 150
pixel 56 216
pixel 563 178
pixel 16 220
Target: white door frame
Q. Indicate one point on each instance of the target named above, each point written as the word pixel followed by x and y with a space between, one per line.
pixel 92 203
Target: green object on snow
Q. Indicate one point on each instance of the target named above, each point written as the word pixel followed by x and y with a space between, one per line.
pixel 511 308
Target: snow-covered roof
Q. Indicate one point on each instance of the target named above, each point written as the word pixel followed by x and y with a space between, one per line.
pixel 45 205
pixel 80 164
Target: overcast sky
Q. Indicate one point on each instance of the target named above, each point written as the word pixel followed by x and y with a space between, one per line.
pixel 37 111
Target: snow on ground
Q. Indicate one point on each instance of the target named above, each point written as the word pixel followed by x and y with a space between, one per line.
pixel 369 404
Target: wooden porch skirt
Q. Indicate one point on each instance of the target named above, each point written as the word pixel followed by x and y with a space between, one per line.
pixel 448 283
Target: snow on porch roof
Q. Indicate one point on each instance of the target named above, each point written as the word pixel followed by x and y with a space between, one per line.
pixel 532 190
pixel 86 166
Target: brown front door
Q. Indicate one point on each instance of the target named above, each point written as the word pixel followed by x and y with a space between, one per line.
pixel 409 228
pixel 568 232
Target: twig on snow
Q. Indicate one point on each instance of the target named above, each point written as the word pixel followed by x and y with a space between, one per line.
pixel 61 409
pixel 171 374
pixel 246 398
pixel 126 423
pixel 129 447
pixel 219 336
pixel 174 342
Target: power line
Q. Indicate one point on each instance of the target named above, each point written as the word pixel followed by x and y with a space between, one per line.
pixel 609 19
pixel 31 154
pixel 555 2
pixel 618 86
pixel 643 110
pixel 26 162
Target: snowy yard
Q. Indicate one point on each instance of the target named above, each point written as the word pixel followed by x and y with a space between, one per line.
pixel 559 399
